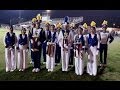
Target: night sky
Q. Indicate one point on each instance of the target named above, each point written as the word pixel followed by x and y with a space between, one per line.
pixel 97 15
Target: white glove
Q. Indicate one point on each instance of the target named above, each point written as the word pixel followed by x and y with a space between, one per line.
pixel 10 48
pixel 66 46
pixel 32 50
pixel 44 41
pixel 31 41
pixel 48 43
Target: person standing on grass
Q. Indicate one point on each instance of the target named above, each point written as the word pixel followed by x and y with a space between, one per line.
pixel 36 46
pixel 79 45
pixel 93 50
pixel 51 48
pixel 30 33
pixel 65 40
pixel 58 48
pixel 72 32
pixel 23 47
pixel 104 37
pixel 10 40
pixel 47 38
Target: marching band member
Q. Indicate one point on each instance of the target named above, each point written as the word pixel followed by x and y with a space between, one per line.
pixel 79 45
pixel 72 32
pixel 47 38
pixel 36 46
pixel 94 44
pixel 22 50
pixel 85 33
pixel 10 42
pixel 104 37
pixel 51 48
pixel 30 36
pixel 65 39
pixel 58 48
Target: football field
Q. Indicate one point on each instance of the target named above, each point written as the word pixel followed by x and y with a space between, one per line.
pixel 110 73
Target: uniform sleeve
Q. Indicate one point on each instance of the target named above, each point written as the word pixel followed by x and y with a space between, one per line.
pixel 74 38
pixel 98 37
pixel 60 38
pixel 111 38
pixel 56 38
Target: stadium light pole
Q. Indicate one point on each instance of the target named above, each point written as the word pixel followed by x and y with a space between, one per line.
pixel 10 21
pixel 20 11
pixel 48 11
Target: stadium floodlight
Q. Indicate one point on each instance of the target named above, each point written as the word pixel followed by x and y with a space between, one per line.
pixel 48 11
pixel 113 24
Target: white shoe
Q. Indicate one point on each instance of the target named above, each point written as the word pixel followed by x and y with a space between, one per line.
pixel 80 74
pixel 48 70
pixel 34 70
pixel 20 69
pixel 76 73
pixel 31 62
pixel 90 74
pixel 11 70
pixel 94 74
pixel 44 62
pixel 63 69
pixel 37 70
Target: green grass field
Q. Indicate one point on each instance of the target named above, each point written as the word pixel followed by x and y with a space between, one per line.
pixel 111 72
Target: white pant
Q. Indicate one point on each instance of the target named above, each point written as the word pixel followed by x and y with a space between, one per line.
pixel 79 65
pixel 92 61
pixel 50 61
pixel 65 59
pixel 22 59
pixel 10 59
